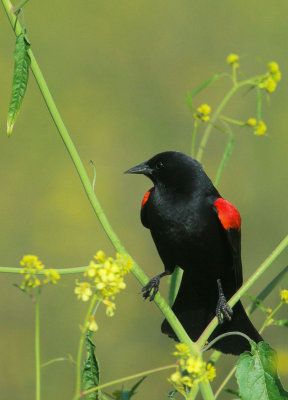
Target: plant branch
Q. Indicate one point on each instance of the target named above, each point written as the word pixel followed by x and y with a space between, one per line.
pixel 127 378
pixel 37 346
pixel 20 5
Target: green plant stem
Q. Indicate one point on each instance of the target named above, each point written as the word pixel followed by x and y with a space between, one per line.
pixel 194 133
pixel 216 114
pixel 236 297
pixel 50 362
pixel 224 383
pixel 224 159
pixel 61 271
pixel 127 378
pixel 20 5
pixel 37 345
pixel 80 347
pixel 266 322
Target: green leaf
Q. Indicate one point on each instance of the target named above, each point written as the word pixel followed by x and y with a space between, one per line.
pixel 90 371
pixel 257 375
pixel 257 302
pixel 281 322
pixel 20 79
pixel 268 289
pixel 203 85
pixel 127 394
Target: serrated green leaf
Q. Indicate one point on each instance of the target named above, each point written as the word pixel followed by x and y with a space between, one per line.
pixel 257 375
pixel 127 394
pixel 281 322
pixel 20 79
pixel 268 289
pixel 90 371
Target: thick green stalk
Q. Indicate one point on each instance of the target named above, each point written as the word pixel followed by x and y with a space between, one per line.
pixel 236 297
pixel 37 346
pixel 127 378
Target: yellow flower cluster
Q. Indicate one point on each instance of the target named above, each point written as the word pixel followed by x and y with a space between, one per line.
pixel 270 80
pixel 107 276
pixel 31 265
pixel 203 113
pixel 284 296
pixel 190 369
pixel 233 59
pixel 259 126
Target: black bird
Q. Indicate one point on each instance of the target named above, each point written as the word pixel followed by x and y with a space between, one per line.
pixel 194 228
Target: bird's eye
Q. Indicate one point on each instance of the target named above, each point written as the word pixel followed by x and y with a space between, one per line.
pixel 159 165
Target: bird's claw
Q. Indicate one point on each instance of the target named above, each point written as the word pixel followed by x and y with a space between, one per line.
pixel 224 309
pixel 153 284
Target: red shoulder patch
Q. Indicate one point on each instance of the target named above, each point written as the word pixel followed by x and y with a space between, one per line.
pixel 228 214
pixel 145 198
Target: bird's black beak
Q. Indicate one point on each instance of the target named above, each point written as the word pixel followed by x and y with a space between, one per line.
pixel 140 169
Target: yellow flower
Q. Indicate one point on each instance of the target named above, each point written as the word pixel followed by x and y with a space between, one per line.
pixel 183 350
pixel 52 276
pixel 210 372
pixel 31 265
pixel 233 59
pixel 284 296
pixel 252 122
pixel 270 85
pixel 190 369
pixel 92 324
pixel 83 291
pixel 273 67
pixel 100 256
pixel 31 262
pixel 269 81
pixel 194 364
pixel 260 129
pixel 203 113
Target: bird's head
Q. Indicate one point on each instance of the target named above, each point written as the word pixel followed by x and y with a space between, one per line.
pixel 171 169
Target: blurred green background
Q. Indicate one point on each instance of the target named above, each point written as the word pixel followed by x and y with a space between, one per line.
pixel 119 72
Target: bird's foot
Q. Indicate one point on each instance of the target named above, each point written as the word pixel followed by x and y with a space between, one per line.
pixel 223 310
pixel 152 285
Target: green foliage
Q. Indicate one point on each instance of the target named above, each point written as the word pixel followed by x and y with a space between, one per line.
pixel 281 322
pixel 90 372
pixel 127 394
pixel 267 290
pixel 20 79
pixel 257 374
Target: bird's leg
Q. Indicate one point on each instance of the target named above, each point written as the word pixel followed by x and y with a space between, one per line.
pixel 153 284
pixel 222 306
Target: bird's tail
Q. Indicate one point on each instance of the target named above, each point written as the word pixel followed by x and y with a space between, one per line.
pixel 196 316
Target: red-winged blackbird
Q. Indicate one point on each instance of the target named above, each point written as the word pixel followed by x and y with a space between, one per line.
pixel 194 228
